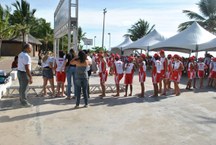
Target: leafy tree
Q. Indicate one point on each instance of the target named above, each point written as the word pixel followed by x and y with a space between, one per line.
pixel 140 29
pixel 206 18
pixel 6 30
pixel 23 17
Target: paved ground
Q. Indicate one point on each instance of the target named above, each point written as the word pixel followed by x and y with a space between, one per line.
pixel 189 119
pixel 5 63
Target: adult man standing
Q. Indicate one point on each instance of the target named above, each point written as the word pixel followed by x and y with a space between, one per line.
pixel 24 74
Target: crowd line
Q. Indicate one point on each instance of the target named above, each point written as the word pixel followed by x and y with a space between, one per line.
pixel 77 68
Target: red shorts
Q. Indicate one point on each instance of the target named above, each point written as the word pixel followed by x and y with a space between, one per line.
pixel 118 78
pixel 156 78
pixel 176 76
pixel 213 76
pixel 191 75
pixel 60 77
pixel 103 76
pixel 128 79
pixel 142 77
pixel 201 73
pixel 163 74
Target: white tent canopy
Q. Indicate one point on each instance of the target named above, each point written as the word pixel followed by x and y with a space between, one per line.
pixel 186 41
pixel 146 41
pixel 208 46
pixel 118 48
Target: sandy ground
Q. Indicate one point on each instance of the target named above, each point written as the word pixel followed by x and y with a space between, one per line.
pixel 189 119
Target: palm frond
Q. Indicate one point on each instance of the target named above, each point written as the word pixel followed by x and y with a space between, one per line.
pixel 193 15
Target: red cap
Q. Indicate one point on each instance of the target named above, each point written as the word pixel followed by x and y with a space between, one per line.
pixel 143 56
pixel 156 55
pixel 117 56
pixel 176 56
pixel 113 55
pixel 191 58
pixel 162 51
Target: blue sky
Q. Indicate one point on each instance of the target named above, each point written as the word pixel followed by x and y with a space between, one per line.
pixel 165 14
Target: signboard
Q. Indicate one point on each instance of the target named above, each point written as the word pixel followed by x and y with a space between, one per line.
pixel 61 18
pixel 88 41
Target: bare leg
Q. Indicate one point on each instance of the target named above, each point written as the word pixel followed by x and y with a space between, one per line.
pixel 51 81
pixel 177 89
pixel 165 86
pixel 58 88
pixel 142 90
pixel 131 90
pixel 44 85
pixel 160 87
pixel 62 87
pixel 194 83
pixel 126 89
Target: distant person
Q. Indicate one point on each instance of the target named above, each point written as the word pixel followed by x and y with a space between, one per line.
pixel 82 65
pixel 142 74
pixel 24 74
pixel 201 70
pixel 14 64
pixel 94 63
pixel 118 72
pixel 89 69
pixel 70 73
pixel 191 72
pixel 129 73
pixel 103 73
pixel 60 74
pixel 177 73
pixel 156 73
pixel 47 73
pixel 164 79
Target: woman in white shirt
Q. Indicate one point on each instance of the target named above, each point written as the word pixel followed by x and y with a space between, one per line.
pixel 47 73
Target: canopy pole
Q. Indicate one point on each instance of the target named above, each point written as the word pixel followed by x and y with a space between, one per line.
pixel 196 51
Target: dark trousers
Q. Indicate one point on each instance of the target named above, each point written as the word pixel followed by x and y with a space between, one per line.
pixel 23 89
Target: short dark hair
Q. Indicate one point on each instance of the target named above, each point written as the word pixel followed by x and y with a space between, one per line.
pixel 26 45
pixel 82 56
pixel 61 54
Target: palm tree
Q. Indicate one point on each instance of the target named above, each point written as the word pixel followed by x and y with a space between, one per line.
pixel 23 17
pixel 140 29
pixel 206 18
pixel 6 30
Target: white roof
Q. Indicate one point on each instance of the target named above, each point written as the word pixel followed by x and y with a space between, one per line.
pixel 146 41
pixel 186 41
pixel 208 46
pixel 126 42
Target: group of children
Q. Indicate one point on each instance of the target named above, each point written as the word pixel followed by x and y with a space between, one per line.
pixel 164 71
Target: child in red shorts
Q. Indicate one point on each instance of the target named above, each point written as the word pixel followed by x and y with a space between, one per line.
pixel 60 73
pixel 129 72
pixel 201 70
pixel 142 74
pixel 156 73
pixel 119 73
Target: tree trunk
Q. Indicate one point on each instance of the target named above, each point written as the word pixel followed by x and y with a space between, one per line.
pixel 23 36
pixel 0 47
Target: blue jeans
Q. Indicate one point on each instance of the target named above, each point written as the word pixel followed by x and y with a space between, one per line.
pixel 81 84
pixel 70 72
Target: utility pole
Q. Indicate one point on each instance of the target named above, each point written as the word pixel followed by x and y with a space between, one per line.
pixel 104 13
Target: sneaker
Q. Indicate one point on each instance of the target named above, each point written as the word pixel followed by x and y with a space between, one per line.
pixel 85 106
pixel 76 107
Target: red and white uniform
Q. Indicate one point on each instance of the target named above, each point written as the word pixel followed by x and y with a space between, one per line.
pixel 163 62
pixel 176 74
pixel 60 74
pixel 142 72
pixel 119 72
pixel 213 70
pixel 103 73
pixel 129 72
pixel 156 72
pixel 169 68
pixel 201 69
pixel 191 70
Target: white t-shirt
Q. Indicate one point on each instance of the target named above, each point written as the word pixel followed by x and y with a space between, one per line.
pixel 201 66
pixel 90 60
pixel 162 59
pixel 176 65
pixel 47 62
pixel 158 66
pixel 119 67
pixel 24 59
pixel 60 64
pixel 129 68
